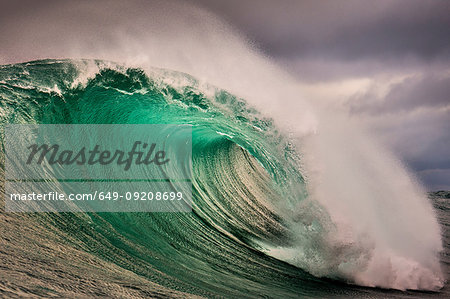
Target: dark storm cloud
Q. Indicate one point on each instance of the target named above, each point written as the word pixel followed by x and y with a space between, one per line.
pixel 423 35
pixel 343 29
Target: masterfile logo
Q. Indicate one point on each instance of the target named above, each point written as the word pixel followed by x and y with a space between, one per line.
pixel 101 168
pixel 95 155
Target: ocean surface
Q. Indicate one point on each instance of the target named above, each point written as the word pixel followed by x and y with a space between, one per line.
pixel 254 230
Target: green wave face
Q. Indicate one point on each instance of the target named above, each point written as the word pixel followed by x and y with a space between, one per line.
pixel 246 182
pixel 253 230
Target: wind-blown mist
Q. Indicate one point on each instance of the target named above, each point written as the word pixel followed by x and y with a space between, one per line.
pixel 359 216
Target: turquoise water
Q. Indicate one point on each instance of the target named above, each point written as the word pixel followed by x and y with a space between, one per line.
pixel 247 183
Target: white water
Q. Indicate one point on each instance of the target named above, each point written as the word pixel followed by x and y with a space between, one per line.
pixel 383 232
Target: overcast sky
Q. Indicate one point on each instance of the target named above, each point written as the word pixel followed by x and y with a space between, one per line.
pixel 386 62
